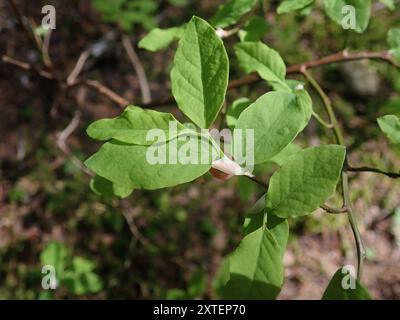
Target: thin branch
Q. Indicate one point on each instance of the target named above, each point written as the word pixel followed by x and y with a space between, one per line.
pixel 94 84
pixel 27 67
pixel 137 65
pixel 344 56
pixel 29 31
pixel 222 33
pixel 44 54
pixel 102 89
pixel 322 121
pixel 78 67
pixel 62 142
pixel 46 44
pixel 353 224
pixel 253 78
pixel 329 209
pixel 392 175
pixel 135 230
pixel 339 57
pixel 327 105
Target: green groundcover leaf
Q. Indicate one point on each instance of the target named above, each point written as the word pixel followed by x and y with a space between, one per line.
pixel 104 187
pixel 160 165
pixel 390 125
pixel 55 254
pixel 276 118
pixel 133 126
pixel 345 287
pixel 336 10
pixel 200 73
pixel 158 39
pixel 231 12
pixel 81 279
pixel 258 57
pixel 305 181
pixel 256 267
pixel 293 5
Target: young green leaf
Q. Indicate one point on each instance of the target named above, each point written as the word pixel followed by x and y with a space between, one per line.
pixel 158 39
pixel 349 13
pixel 388 4
pixel 343 286
pixel 393 38
pixel 133 126
pixel 293 5
pixel 200 73
pixel 305 181
pixel 104 187
pixel 392 106
pixel 152 167
pixel 256 267
pixel 390 125
pixel 258 57
pixel 231 12
pixel 254 30
pixel 276 118
pixel 235 110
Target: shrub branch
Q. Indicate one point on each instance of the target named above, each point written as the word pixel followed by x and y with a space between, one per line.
pixel 344 177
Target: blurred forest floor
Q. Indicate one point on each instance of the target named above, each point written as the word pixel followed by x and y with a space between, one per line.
pixel 153 242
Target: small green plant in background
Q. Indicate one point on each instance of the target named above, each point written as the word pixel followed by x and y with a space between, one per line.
pixel 73 273
pixel 195 289
pixel 128 13
pixel 306 177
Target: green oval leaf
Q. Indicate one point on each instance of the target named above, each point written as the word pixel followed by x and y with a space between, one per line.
pixel 129 166
pixel 256 267
pixel 158 39
pixel 305 181
pixel 200 73
pixel 362 12
pixel 231 12
pixel 258 57
pixel 276 118
pixel 293 5
pixel 133 125
pixel 390 126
